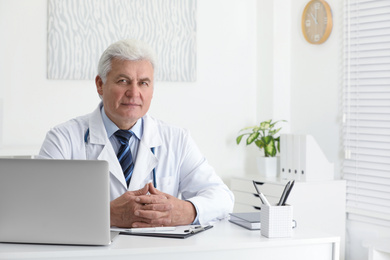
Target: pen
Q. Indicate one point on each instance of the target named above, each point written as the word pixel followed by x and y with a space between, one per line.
pixel 144 230
pixel 261 195
pixel 288 193
pixel 284 194
pixel 194 230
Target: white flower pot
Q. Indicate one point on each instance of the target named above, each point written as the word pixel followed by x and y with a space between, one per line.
pixel 268 166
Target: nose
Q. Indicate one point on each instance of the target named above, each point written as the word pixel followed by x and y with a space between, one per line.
pixel 132 90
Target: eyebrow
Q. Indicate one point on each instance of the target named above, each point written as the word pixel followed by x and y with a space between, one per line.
pixel 145 79
pixel 123 76
pixel 127 77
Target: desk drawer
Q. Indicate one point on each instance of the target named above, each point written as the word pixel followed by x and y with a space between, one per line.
pixel 239 207
pixel 253 199
pixel 246 198
pixel 268 189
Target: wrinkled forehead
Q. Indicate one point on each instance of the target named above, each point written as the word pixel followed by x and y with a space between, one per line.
pixel 132 68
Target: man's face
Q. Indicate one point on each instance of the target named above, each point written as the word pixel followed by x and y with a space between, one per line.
pixel 128 91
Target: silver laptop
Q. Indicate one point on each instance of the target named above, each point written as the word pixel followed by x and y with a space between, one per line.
pixel 54 201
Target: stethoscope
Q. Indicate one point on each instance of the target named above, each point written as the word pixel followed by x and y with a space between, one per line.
pixel 152 149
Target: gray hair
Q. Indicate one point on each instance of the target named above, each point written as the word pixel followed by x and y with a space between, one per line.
pixel 129 49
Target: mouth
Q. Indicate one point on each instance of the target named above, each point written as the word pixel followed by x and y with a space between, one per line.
pixel 130 104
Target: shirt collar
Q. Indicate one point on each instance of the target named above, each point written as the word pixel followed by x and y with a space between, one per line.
pixel 111 127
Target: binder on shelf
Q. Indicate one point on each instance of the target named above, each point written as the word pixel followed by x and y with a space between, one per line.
pixel 297 155
pixel 317 167
pixel 302 159
pixel 283 157
pixel 303 147
pixel 290 157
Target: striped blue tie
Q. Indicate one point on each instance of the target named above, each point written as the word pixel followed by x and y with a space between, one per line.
pixel 124 154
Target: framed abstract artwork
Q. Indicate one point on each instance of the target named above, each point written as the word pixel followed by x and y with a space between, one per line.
pixel 79 32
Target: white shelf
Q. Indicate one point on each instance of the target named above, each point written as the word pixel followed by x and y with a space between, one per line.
pixel 318 205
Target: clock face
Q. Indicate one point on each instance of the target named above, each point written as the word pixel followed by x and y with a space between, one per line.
pixel 317 21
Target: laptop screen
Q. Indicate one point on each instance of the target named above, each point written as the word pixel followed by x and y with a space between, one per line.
pixel 54 201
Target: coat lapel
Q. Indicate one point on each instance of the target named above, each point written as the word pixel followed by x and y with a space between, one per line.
pixel 98 139
pixel 146 160
pixel 108 155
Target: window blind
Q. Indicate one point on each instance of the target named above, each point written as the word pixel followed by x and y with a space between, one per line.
pixel 366 110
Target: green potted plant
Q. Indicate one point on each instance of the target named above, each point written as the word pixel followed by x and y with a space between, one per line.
pixel 265 137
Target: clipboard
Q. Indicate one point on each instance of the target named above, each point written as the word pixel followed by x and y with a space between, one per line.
pixel 180 232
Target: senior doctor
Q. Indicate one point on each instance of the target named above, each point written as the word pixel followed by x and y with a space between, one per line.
pixel 171 182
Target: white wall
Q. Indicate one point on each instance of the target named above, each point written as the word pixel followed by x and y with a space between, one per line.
pixel 300 82
pixel 214 108
pixel 315 84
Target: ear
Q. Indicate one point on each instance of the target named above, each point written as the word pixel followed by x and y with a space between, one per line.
pixel 99 84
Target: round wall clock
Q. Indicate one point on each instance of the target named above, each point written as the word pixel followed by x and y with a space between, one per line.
pixel 317 21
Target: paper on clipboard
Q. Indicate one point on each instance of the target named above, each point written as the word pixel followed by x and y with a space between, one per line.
pixel 144 230
pixel 178 231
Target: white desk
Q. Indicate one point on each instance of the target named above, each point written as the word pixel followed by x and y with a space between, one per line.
pixel 224 241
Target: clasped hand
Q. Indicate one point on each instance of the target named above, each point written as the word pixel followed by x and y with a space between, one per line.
pixel 149 207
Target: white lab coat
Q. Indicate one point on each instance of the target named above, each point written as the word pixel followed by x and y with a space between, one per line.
pixel 181 170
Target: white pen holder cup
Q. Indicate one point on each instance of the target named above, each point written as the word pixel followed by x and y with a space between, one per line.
pixel 276 221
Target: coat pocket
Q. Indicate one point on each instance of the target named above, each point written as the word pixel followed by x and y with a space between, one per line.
pixel 168 185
